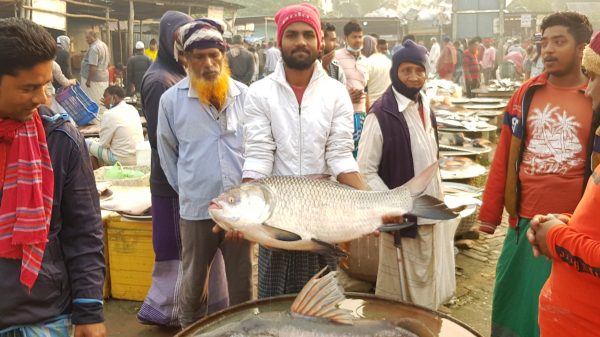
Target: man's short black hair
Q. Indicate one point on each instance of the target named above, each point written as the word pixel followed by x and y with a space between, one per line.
pixel 352 27
pixel 153 41
pixel 116 90
pixel 578 25
pixel 327 27
pixel 120 66
pixel 473 42
pixel 381 42
pixel 375 35
pixel 24 45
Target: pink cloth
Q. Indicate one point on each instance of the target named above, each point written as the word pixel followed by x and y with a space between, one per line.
pixel 489 58
pixel 517 59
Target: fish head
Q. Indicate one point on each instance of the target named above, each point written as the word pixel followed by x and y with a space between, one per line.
pixel 243 207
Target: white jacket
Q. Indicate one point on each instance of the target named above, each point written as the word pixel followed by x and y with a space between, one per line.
pixel 283 138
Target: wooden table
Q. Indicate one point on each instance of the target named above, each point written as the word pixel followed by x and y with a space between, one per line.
pixel 91 130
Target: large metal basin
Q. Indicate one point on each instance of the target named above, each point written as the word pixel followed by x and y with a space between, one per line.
pixel 363 305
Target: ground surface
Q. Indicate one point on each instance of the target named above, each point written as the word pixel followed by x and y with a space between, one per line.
pixel 472 304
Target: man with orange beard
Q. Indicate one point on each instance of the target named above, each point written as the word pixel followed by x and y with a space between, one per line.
pixel 200 143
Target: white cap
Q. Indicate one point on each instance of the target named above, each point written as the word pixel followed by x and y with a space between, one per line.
pixel 139 45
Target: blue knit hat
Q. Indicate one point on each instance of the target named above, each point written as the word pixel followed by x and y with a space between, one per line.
pixel 413 53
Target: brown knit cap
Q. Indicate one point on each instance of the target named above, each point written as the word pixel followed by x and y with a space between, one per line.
pixel 591 55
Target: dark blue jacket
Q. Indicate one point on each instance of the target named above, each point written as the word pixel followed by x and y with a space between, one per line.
pixel 73 267
pixel 162 74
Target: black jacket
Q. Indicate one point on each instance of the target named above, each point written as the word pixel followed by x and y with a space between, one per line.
pixel 162 74
pixel 73 266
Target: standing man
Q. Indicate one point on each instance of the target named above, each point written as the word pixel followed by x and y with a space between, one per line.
pixel 573 243
pixel 200 140
pixel 330 64
pixel 544 147
pixel 63 56
pixel 434 53
pixel 298 121
pixel 152 50
pixel 378 69
pixel 51 245
pixel 357 75
pixel 447 61
pixel 488 63
pixel 471 67
pixel 241 61
pixel 399 140
pixel 161 305
pixel 136 68
pixel 94 67
pixel 273 55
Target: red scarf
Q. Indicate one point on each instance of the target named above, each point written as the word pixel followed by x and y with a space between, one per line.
pixel 27 182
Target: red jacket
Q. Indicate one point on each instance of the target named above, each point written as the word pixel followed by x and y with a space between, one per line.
pixel 502 188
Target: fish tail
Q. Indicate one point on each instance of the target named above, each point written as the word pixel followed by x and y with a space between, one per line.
pixel 426 206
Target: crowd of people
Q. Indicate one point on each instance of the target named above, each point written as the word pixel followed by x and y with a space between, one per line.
pixel 222 113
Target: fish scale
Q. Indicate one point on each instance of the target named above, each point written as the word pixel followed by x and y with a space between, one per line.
pixel 327 210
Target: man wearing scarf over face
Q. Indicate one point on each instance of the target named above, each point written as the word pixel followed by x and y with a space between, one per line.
pixel 51 248
pixel 399 140
pixel 200 143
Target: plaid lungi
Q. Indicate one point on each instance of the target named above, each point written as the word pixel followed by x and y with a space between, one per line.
pixel 286 272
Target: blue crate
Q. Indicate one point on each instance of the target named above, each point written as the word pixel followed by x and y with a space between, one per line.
pixel 77 104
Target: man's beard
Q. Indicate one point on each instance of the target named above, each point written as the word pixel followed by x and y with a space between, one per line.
pixel 212 92
pixel 294 63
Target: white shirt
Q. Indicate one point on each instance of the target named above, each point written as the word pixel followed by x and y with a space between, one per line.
pixel 273 56
pixel 120 131
pixel 283 137
pixel 422 142
pixel 378 67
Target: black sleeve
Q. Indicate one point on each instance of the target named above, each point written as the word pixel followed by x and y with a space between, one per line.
pixel 150 99
pixel 249 69
pixel 81 234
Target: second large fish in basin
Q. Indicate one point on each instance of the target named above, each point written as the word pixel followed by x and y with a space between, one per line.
pixel 301 213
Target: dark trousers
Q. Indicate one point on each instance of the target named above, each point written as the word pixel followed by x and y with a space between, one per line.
pixel 199 246
pixel 470 85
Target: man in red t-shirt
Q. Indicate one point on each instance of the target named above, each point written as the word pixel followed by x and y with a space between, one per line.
pixel 569 303
pixel 540 166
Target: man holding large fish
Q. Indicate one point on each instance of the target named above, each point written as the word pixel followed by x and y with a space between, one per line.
pixel 399 141
pixel 199 140
pixel 298 122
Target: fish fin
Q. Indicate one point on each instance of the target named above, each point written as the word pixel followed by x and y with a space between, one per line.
pixel 320 298
pixel 417 185
pixel 414 326
pixel 329 249
pixel 394 227
pixel 281 234
pixel 430 207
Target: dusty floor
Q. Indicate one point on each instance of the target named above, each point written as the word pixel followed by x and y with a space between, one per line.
pixel 472 303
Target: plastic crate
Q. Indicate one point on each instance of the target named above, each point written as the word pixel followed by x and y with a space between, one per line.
pixel 131 258
pixel 77 104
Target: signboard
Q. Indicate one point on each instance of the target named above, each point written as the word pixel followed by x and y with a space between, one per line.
pixel 525 20
pixel 50 20
pixel 216 12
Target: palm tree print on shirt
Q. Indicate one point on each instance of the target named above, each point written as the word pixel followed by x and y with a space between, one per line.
pixel 554 145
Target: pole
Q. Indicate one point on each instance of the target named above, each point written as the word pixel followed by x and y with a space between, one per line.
pixel 120 42
pixel 109 37
pixel 130 29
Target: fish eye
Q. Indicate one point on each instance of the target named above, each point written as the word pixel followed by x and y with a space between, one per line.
pixel 231 200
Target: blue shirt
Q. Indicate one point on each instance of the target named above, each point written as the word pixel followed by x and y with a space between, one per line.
pixel 200 148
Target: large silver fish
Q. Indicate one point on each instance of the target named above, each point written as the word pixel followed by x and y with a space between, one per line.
pixel 300 213
pixel 316 313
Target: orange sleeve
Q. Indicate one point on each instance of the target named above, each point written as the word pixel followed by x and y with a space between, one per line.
pixel 578 250
pixel 491 209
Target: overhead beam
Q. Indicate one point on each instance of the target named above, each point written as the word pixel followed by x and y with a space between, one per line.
pixel 76 16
